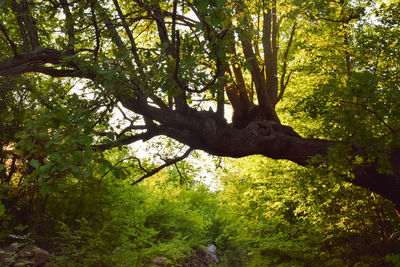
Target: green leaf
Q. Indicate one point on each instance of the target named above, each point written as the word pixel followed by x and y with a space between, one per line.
pixel 47 189
pixel 55 156
pixel 215 20
pixel 19 134
pixel 35 163
pixel 88 172
pixel 75 170
pixel 203 6
pixel 84 140
pixel 44 171
pixel 198 25
pixel 105 165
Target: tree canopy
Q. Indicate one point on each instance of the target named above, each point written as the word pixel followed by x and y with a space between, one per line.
pixel 314 82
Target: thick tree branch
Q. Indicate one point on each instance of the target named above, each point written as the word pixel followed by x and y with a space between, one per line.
pixel 237 93
pixel 23 11
pixel 33 61
pixel 269 39
pixel 16 8
pixel 386 184
pixel 265 101
pixel 264 98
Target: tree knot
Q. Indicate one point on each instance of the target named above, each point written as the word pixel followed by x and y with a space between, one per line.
pixel 269 128
pixel 261 128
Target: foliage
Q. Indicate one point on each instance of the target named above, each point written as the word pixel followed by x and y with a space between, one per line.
pixel 101 221
pixel 117 225
pixel 286 215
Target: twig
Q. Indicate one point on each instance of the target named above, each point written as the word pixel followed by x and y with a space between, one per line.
pixel 166 164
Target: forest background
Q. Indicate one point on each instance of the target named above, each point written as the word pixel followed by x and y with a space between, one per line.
pixel 82 81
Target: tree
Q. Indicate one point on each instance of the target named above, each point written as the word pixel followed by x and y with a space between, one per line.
pixel 164 63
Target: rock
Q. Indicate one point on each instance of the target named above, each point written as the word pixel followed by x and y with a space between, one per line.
pixel 11 248
pixel 212 254
pixel 158 261
pixel 202 258
pixel 28 251
pixel 8 254
pixel 41 257
pixel 29 255
pixel 4 261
